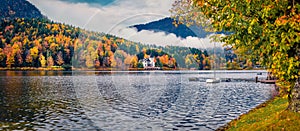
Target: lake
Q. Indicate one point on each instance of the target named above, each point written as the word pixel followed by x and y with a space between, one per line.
pixel 122 100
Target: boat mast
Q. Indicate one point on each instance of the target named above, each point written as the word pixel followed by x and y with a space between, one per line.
pixel 214 64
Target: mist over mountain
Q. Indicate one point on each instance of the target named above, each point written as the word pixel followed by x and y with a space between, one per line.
pixel 166 25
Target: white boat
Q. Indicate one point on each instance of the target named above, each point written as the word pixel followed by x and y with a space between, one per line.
pixel 214 80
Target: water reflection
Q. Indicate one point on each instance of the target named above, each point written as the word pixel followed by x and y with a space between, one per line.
pixel 55 100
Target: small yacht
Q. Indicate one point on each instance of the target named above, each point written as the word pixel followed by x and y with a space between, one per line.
pixel 213 80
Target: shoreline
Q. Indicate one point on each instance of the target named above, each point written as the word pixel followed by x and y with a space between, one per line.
pixel 58 68
pixel 229 125
pixel 270 115
pixel 80 69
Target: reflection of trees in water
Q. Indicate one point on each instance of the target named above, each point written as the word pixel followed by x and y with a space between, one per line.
pixel 18 105
pixel 31 101
pixel 13 97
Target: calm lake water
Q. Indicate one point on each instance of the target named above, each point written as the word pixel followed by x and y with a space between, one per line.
pixel 152 100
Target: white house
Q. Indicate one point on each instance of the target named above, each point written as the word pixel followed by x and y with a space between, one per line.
pixel 148 62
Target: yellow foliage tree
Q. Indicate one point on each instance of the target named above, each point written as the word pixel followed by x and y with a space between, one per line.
pixel 134 62
pixel 42 60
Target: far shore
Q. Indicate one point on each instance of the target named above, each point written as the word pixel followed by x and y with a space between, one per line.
pixel 59 68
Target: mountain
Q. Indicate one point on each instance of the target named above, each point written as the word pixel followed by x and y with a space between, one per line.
pixel 18 9
pixel 166 25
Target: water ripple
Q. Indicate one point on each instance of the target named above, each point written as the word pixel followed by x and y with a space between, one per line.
pixel 126 101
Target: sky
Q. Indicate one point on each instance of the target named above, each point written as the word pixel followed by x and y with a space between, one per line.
pixel 100 2
pixel 114 16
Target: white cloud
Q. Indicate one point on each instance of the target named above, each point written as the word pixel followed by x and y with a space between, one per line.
pixel 116 17
pixel 103 18
pixel 162 39
pixel 70 13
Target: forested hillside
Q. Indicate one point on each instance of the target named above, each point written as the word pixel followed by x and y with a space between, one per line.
pixel 43 43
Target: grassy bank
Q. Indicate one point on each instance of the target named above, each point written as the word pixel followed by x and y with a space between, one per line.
pixel 271 115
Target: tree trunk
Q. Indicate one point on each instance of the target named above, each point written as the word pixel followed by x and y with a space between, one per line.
pixel 294 102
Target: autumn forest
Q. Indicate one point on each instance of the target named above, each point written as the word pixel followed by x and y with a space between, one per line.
pixel 39 42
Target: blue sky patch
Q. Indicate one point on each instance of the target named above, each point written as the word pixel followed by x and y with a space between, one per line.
pixel 98 2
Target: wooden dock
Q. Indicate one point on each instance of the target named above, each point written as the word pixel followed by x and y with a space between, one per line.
pixel 203 79
pixel 268 81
